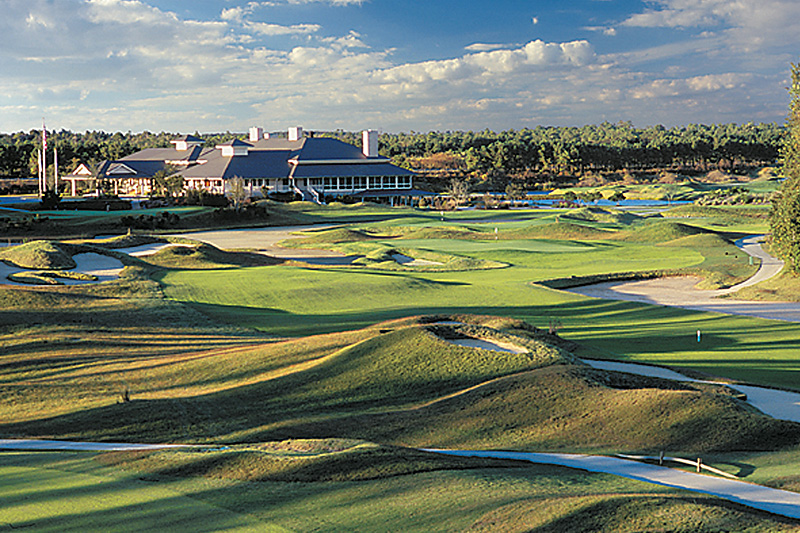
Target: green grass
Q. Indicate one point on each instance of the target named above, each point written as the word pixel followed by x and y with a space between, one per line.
pixel 78 492
pixel 396 383
pixel 70 352
pixel 39 255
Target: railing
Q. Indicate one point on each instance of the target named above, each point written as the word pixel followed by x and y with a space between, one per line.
pixel 698 463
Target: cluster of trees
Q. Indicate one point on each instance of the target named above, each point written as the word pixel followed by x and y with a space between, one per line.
pixel 551 150
pixel 785 215
pixel 575 150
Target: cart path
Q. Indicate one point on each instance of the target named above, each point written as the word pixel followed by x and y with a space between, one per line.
pixel 680 291
pixel 776 501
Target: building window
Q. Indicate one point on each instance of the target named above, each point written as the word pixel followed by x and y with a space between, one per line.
pixel 404 182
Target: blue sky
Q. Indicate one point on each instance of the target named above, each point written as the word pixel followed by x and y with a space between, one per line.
pixel 394 65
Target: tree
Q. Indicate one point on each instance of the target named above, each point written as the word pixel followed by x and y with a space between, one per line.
pixel 237 191
pixel 458 190
pixel 785 214
pixel 617 197
pixel 516 191
pixel 167 182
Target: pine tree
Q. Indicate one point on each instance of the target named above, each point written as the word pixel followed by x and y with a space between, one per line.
pixel 785 215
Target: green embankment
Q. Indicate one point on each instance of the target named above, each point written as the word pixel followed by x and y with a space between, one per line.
pixel 81 491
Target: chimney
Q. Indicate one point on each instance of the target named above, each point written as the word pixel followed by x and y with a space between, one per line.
pixel 256 134
pixel 295 133
pixel 369 140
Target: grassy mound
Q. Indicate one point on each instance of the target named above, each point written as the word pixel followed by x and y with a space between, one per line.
pixel 660 231
pixel 296 461
pixel 49 277
pixel 558 230
pixel 628 514
pixel 125 241
pixel 446 232
pixel 600 214
pixel 383 257
pixel 700 241
pixel 39 255
pixel 399 384
pixel 732 214
pixel 575 408
pixel 333 236
pixel 206 257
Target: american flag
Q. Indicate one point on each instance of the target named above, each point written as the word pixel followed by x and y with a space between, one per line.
pixel 44 137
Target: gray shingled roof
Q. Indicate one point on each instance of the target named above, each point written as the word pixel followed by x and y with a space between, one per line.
pixel 317 157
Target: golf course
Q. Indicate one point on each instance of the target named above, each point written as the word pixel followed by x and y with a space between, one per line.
pixel 307 368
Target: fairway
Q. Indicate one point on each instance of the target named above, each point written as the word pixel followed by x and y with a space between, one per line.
pixel 297 301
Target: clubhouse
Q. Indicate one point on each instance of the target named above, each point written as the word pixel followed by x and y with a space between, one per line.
pixel 269 164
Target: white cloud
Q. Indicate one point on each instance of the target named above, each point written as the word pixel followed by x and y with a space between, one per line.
pixel 264 28
pixel 486 47
pixel 747 23
pixel 125 64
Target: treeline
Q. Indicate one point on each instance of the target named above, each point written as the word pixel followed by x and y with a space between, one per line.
pixel 542 150
pixel 603 147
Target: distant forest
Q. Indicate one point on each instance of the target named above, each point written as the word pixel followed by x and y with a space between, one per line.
pixel 536 154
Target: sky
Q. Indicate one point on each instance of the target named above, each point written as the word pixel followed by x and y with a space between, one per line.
pixel 392 65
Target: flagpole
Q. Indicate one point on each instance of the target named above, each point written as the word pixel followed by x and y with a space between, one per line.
pixel 55 165
pixel 39 169
pixel 44 155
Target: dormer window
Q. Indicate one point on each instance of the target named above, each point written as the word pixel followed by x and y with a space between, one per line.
pixel 187 142
pixel 234 148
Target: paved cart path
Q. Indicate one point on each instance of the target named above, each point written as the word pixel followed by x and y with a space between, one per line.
pixel 775 501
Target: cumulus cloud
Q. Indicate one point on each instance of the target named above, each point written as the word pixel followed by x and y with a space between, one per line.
pixel 478 66
pixel 683 87
pixel 747 23
pixel 125 64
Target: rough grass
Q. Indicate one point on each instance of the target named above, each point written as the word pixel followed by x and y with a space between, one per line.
pixel 294 461
pixel 49 277
pixel 659 232
pixel 78 492
pixel 395 384
pixel 785 287
pixel 600 214
pixel 206 257
pixel 39 255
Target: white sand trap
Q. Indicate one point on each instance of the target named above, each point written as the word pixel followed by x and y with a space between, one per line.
pixel 104 267
pixel 150 249
pixel 484 344
pixel 410 261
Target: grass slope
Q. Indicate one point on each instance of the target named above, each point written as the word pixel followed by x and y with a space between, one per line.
pixel 397 383
pixel 39 255
pixel 58 492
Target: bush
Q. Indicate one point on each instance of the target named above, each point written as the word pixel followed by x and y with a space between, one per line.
pixel 165 219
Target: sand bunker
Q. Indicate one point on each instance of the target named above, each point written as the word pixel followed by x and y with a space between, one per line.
pixel 150 249
pixel 485 344
pixel 103 267
pixel 410 261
